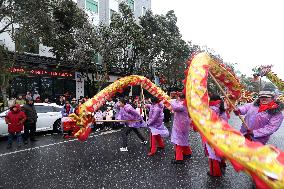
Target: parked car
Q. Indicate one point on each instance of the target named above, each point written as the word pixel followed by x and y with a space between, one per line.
pixel 49 118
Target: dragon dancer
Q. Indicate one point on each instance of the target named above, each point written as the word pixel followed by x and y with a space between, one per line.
pixel 155 123
pixel 127 112
pixel 263 117
pixel 180 130
pixel 215 162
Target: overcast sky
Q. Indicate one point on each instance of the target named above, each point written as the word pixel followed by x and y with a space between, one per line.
pixel 247 32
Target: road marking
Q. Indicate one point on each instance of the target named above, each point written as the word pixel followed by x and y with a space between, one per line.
pixel 53 144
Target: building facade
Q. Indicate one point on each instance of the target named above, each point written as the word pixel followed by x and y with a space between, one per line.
pixel 100 11
pixel 43 74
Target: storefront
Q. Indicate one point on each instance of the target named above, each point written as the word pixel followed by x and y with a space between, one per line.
pixel 47 84
pixel 42 76
pixel 51 78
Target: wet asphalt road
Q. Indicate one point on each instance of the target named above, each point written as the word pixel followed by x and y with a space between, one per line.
pixel 52 162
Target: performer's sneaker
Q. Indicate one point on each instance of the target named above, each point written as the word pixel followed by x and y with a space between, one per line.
pixel 123 149
pixel 9 146
pixel 177 161
pixel 67 136
pixel 144 142
pixel 209 174
pixel 187 156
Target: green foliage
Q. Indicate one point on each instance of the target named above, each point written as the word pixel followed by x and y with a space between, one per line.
pixel 5 66
pixel 249 83
pixel 5 74
pixel 152 46
pixel 59 24
pixel 125 33
pixel 269 86
pixel 163 49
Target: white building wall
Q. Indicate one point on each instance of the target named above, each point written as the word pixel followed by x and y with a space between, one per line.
pixel 138 7
pixel 7 41
pixel 44 51
pixel 113 4
pixel 80 83
pixel 94 18
pixel 5 38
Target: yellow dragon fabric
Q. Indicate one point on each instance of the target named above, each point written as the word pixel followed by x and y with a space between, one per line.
pixel 264 163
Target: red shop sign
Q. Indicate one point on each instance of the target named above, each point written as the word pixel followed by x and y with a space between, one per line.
pixel 42 72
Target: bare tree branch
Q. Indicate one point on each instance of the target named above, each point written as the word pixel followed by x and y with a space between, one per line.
pixel 5 27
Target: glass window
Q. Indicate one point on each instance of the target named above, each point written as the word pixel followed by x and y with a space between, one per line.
pixel 43 109
pixel 70 88
pixel 92 6
pixel 33 84
pixel 56 109
pixel 131 4
pixel 18 86
pixel 46 88
pixel 58 87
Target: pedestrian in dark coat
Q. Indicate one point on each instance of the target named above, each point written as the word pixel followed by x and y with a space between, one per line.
pixel 30 123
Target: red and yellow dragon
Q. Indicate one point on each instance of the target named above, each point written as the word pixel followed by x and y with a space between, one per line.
pixel 265 164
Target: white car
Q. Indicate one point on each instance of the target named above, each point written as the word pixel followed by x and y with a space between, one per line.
pixel 49 118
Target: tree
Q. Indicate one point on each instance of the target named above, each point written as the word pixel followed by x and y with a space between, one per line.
pixel 59 24
pixel 164 53
pixel 269 86
pixel 69 33
pixel 5 75
pixel 32 16
pixel 126 34
pixel 249 83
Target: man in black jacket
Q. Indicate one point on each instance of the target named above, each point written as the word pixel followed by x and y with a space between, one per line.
pixel 30 123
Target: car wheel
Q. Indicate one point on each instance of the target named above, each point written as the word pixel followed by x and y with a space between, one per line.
pixel 57 126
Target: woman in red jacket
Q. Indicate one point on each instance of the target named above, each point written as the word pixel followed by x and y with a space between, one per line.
pixel 15 120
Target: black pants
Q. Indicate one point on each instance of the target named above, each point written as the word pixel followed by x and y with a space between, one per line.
pixel 108 125
pixel 99 126
pixel 167 115
pixel 29 131
pixel 126 132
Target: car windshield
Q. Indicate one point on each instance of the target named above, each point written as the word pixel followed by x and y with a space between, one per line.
pixel 43 109
pixel 57 109
pixel 39 109
pixel 3 113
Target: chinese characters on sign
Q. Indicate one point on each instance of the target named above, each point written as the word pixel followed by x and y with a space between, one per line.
pixel 42 72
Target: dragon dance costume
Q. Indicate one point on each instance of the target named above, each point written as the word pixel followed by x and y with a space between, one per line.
pixel 158 130
pixel 180 131
pixel 262 119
